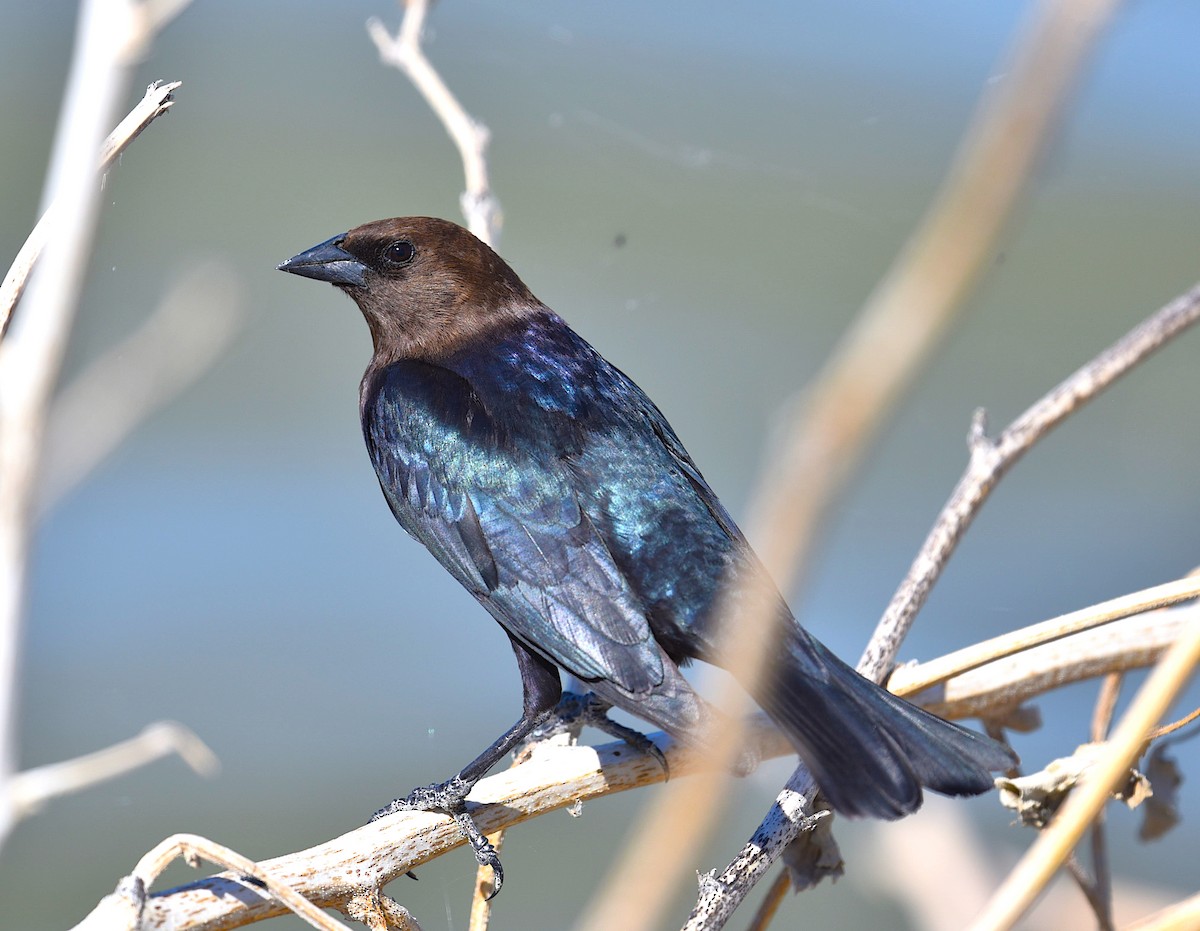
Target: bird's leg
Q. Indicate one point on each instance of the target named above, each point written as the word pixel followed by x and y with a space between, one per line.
pixel 575 711
pixel 542 690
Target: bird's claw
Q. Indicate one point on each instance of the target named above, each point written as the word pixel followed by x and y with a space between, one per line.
pixel 485 853
pixel 445 798
pixel 575 711
pixel 450 798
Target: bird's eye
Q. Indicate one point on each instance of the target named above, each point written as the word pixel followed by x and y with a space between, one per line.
pixel 399 253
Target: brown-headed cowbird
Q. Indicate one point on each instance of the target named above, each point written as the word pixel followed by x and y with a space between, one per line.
pixel 555 491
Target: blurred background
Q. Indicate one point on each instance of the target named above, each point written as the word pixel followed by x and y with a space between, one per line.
pixel 708 195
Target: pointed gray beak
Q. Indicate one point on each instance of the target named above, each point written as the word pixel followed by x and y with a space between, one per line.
pixel 327 262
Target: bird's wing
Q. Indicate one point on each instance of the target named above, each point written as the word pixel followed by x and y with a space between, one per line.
pixel 507 524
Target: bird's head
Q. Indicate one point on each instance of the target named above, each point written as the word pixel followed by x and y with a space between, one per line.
pixel 425 286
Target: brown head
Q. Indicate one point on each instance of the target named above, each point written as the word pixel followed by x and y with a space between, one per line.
pixel 425 286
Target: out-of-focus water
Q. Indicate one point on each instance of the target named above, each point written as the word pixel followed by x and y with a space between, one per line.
pixel 707 193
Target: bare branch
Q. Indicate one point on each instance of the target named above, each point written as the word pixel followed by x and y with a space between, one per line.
pixel 31 789
pixel 157 101
pixel 990 460
pixel 914 679
pixel 131 891
pixel 481 901
pixel 991 689
pixel 403 51
pixel 358 864
pixel 111 35
pixel 554 777
pixel 1030 876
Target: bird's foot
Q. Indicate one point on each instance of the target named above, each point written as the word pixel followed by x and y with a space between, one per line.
pixel 450 798
pixel 574 712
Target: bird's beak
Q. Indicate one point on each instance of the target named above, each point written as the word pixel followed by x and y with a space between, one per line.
pixel 327 262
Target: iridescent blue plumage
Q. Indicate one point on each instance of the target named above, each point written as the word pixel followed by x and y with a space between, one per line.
pixel 556 492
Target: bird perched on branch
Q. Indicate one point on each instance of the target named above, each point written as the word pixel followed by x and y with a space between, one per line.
pixel 548 484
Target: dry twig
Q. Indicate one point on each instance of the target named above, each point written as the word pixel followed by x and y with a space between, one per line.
pixel 31 789
pixel 112 35
pixel 157 101
pixel 1051 848
pixel 866 375
pixel 404 51
pixel 129 900
pixel 916 678
pixel 989 461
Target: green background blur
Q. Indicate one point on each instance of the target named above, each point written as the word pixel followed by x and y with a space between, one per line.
pixel 707 192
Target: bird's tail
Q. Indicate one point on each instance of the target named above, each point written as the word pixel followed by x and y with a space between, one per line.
pixel 869 750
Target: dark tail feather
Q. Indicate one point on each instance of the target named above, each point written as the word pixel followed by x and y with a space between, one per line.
pixel 870 751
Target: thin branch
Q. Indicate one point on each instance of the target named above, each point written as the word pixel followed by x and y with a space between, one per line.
pixel 1106 706
pixel 873 365
pixel 157 101
pixel 1097 886
pixel 485 882
pixel 990 460
pixel 914 679
pixel 111 35
pixel 1000 686
pixel 1035 869
pixel 31 789
pixel 372 856
pixel 403 51
pixel 1174 725
pixel 191 848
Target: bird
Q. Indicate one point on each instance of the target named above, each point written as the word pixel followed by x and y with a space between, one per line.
pixel 556 492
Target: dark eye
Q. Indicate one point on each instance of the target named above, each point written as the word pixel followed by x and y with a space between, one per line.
pixel 400 252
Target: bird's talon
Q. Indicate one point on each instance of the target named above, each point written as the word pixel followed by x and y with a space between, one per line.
pixel 485 853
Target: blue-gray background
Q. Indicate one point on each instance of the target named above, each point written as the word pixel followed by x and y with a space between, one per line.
pixel 234 567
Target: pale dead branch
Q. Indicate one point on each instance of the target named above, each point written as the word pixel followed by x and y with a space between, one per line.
pixel 157 101
pixel 989 461
pixel 403 51
pixel 129 899
pixel 555 776
pixel 1021 887
pixel 31 789
pixel 987 691
pixel 1182 916
pixel 112 35
pixel 1036 797
pixel 842 410
pixel 916 678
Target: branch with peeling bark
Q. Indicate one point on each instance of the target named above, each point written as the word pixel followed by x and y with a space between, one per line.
pixel 351 869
